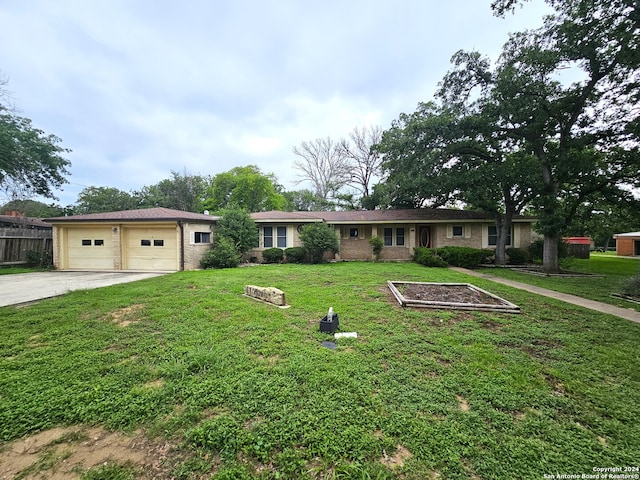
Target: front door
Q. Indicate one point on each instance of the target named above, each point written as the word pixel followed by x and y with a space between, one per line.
pixel 425 237
pixel 636 247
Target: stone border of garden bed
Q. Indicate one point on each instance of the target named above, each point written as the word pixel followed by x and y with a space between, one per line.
pixel 540 273
pixel 504 306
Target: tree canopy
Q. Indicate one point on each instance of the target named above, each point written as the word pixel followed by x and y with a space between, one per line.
pixel 104 199
pixel 31 161
pixel 551 124
pixel 183 191
pixel 247 188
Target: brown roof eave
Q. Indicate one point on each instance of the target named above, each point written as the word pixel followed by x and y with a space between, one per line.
pixel 54 221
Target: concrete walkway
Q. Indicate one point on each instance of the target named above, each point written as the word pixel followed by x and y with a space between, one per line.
pixel 626 313
pixel 30 287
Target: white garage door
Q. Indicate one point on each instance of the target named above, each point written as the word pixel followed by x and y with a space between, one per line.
pixel 150 249
pixel 89 249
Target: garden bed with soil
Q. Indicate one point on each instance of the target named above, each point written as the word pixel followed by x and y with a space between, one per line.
pixel 455 296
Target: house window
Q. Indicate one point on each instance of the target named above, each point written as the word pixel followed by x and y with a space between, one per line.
pixel 98 243
pixel 280 237
pixel 158 243
pixel 281 233
pixel 267 237
pixel 388 237
pixel 493 236
pixel 202 237
pixel 457 231
pixel 86 243
pixel 145 243
pixel 353 233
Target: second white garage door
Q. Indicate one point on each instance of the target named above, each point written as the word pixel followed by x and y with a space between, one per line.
pixel 150 249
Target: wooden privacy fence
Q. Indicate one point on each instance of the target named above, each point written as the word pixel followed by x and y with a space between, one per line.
pixel 19 246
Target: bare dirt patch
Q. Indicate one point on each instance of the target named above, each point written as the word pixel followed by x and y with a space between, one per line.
pixel 462 403
pixel 397 459
pixel 63 453
pixel 125 316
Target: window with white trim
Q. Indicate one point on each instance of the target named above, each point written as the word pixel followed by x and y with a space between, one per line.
pixel 457 231
pixel 280 240
pixel 393 237
pixel 267 237
pixel 492 236
pixel 281 237
pixel 388 237
pixel 202 237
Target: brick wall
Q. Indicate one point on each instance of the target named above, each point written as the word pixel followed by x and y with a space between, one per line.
pixel 624 246
pixel 471 235
pixel 193 252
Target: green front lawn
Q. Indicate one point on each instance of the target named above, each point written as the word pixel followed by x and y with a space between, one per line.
pixel 246 390
pixel 610 272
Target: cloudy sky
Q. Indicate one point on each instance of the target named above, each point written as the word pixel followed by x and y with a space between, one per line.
pixel 138 88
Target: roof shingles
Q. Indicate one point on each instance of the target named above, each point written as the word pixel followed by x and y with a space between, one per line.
pixel 143 215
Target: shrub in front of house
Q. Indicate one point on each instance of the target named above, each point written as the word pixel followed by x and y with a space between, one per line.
pixel 377 244
pixel 294 254
pixel 428 257
pixel 272 255
pixel 317 239
pixel 465 257
pixel 517 256
pixel 223 254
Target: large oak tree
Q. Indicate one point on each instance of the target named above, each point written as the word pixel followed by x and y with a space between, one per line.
pixel 561 105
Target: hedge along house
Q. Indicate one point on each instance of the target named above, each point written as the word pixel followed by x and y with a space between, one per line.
pixel 401 230
pixel 628 244
pixel 154 239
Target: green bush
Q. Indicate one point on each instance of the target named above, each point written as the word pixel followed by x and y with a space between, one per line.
pixel 238 225
pixel 465 257
pixel 223 254
pixel 517 256
pixel 318 238
pixel 631 286
pixel 295 254
pixel 37 259
pixel 376 246
pixel 428 257
pixel 273 255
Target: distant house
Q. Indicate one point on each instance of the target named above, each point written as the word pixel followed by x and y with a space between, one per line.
pixel 13 219
pixel 628 244
pixel 154 239
pixel 401 230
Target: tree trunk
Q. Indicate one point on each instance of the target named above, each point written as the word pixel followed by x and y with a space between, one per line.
pixel 550 263
pixel 503 228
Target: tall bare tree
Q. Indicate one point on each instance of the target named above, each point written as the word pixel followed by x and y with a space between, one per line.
pixel 364 162
pixel 323 163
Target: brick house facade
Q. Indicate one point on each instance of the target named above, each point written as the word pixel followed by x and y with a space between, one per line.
pixel 401 230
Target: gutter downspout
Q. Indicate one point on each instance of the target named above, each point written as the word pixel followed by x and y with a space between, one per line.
pixel 181 226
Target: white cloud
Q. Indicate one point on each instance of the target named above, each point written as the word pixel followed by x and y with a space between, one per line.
pixel 140 88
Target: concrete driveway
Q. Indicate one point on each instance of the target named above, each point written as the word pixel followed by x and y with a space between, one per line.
pixel 29 287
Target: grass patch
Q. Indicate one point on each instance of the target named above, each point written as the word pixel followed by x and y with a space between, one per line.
pixel 245 390
pixel 15 270
pixel 613 271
